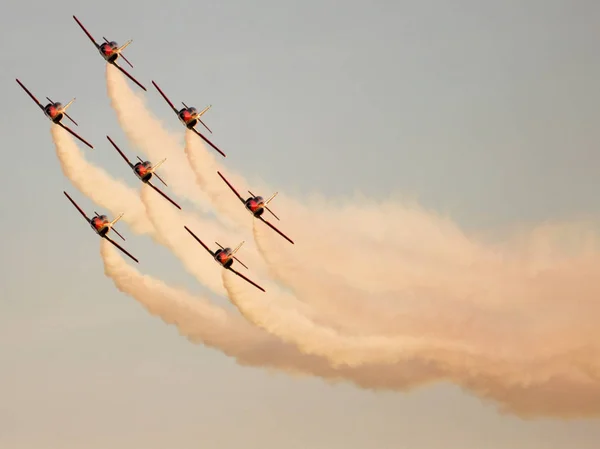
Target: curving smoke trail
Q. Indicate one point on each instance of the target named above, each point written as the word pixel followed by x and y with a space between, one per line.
pixel 100 187
pixel 204 323
pixel 148 135
pixel 521 384
pixel 169 224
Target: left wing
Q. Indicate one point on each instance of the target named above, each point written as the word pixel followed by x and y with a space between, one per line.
pixel 86 32
pixel 124 72
pixel 73 133
pixel 208 142
pixel 30 94
pixel 200 241
pixel 247 280
pixel 164 195
pixel 120 152
pixel 77 207
pixel 276 230
pixel 121 248
pixel 166 98
pixel 231 186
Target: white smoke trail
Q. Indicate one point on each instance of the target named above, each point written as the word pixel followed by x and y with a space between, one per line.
pixel 203 323
pixel 147 134
pixel 97 185
pixel 169 224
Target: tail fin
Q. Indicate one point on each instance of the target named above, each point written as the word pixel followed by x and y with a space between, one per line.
pixel 154 167
pixel 124 46
pixel 200 114
pixel 65 107
pixel 112 223
pixel 271 198
pixel 237 248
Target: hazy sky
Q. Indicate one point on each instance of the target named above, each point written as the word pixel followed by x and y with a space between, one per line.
pixel 483 110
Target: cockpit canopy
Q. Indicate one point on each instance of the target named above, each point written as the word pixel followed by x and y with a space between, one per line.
pixel 113 44
pixel 259 199
pixel 145 164
pixel 192 110
pixel 58 105
pixel 103 217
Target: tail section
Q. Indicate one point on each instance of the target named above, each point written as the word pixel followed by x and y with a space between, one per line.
pixel 271 198
pixel 200 114
pixel 112 223
pixel 158 165
pixel 237 248
pixel 65 107
pixel 124 46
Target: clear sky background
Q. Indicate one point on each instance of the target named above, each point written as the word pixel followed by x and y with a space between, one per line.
pixel 487 111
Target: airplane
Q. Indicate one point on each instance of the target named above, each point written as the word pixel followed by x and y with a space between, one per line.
pixel 190 116
pixel 225 257
pixel 102 226
pixel 144 170
pixel 257 206
pixel 111 51
pixel 55 112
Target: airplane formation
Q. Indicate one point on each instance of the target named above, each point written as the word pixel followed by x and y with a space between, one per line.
pixel 145 170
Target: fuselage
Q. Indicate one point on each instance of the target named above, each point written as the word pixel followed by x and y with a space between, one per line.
pixel 54 112
pixel 223 256
pixel 143 170
pixel 188 116
pixel 108 50
pixel 100 225
pixel 256 205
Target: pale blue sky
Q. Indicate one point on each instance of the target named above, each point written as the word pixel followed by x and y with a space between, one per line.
pixel 485 110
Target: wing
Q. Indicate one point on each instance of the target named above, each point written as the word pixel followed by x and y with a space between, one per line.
pixel 66 128
pixel 77 207
pixel 165 97
pixel 247 280
pixel 30 94
pixel 276 230
pixel 86 32
pixel 117 232
pixel 230 186
pixel 121 248
pixel 208 142
pixel 124 72
pixel 199 241
pixel 120 152
pixel 164 196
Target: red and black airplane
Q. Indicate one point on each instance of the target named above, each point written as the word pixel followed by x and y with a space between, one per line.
pixel 144 170
pixel 55 112
pixel 257 206
pixel 225 257
pixel 101 225
pixel 190 116
pixel 111 51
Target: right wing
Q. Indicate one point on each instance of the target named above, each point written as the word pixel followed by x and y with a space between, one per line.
pixel 120 152
pixel 230 186
pixel 208 142
pixel 121 248
pixel 30 94
pixel 199 241
pixel 124 72
pixel 86 32
pixel 165 97
pixel 247 280
pixel 276 230
pixel 66 128
pixel 77 207
pixel 164 195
